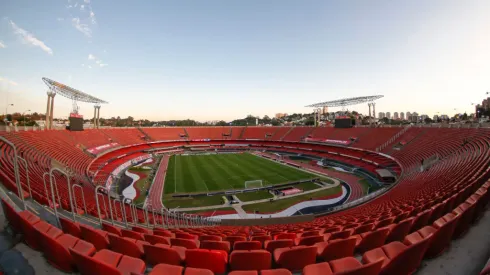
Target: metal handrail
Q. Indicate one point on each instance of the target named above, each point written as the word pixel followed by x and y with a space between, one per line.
pixel 16 171
pixel 27 175
pixel 68 185
pixel 105 205
pixel 55 186
pixel 75 197
pixel 123 211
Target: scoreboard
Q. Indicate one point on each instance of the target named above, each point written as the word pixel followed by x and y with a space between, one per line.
pixel 76 122
pixel 343 122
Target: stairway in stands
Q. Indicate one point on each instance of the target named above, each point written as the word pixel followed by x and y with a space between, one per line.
pixel 147 137
pixel 186 133
pixel 287 133
pixel 242 132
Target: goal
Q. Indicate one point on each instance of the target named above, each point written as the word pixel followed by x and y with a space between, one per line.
pixel 253 184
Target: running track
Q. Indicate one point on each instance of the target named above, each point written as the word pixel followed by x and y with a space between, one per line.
pixel 156 190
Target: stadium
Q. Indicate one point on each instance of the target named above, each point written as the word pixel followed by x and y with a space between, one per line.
pixel 182 137
pixel 233 199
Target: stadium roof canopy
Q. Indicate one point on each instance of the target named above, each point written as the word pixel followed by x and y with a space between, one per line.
pixel 346 101
pixel 70 92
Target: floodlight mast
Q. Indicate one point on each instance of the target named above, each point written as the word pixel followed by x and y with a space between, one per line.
pixel 348 102
pixel 71 93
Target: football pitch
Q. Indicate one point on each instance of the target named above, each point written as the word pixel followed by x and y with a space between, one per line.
pixel 215 172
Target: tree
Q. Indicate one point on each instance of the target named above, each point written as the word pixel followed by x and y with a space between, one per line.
pixel 310 121
pixel 428 120
pixel 465 116
pixel 275 122
pixel 385 120
pixel 221 123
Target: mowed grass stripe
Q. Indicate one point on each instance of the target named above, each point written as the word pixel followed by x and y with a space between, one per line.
pixel 212 178
pixel 197 183
pixel 202 173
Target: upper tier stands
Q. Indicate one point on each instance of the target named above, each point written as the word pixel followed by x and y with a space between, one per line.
pixel 416 219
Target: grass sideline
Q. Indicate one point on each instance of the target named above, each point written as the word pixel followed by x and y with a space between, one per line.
pixel 279 205
pixel 253 196
pixel 170 202
pixel 203 173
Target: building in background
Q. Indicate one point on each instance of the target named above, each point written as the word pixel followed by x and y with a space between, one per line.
pixel 395 116
pixel 435 118
pixel 388 115
pixel 402 116
pixel 409 116
pixel 325 110
pixel 381 115
pixel 414 117
pixel 280 115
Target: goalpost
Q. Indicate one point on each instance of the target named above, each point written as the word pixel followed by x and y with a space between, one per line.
pixel 253 184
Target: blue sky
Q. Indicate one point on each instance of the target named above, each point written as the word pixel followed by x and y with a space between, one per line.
pixel 210 60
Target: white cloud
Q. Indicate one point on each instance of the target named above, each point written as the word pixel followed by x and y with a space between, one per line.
pixel 90 67
pixel 91 57
pixel 76 5
pixel 92 17
pixel 83 28
pixel 2 45
pixel 102 65
pixel 86 1
pixel 82 7
pixel 83 65
pixel 97 61
pixel 60 19
pixel 30 38
pixel 8 81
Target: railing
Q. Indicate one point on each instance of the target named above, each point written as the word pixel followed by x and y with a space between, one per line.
pixel 16 171
pixel 392 139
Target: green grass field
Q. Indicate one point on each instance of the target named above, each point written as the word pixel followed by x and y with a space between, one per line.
pixel 253 196
pixel 203 173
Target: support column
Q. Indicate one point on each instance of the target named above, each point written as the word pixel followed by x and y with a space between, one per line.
pixel 370 120
pixel 48 109
pixel 95 116
pixel 51 112
pixel 98 117
pixel 374 112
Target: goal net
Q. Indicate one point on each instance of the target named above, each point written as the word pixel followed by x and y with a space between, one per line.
pixel 253 184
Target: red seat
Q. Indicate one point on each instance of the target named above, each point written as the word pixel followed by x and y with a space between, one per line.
pixel 185 236
pixel 369 240
pixel 466 212
pixel 351 266
pixel 27 222
pixel 209 238
pixel 250 260
pixel 273 245
pixel 311 240
pixel 247 245
pixel 284 236
pixel 127 246
pixel 233 239
pixel 164 254
pixel 132 234
pixel 214 260
pixel 336 249
pixel 107 262
pixel 341 234
pixel 112 229
pixel 216 245
pixel 163 233
pixel 421 220
pixel 262 238
pixel 310 233
pixel 295 258
pixel 165 269
pixel 56 250
pixel 189 244
pixel 154 239
pixel 142 230
pixel 400 230
pixel 70 227
pixel 96 237
pixel 279 271
pixel 13 217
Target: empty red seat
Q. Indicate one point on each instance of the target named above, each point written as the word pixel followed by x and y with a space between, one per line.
pixel 189 244
pixel 295 258
pixel 399 231
pixel 279 271
pixel 283 236
pixel 273 245
pixel 107 262
pixel 363 228
pixel 214 260
pixel 111 229
pixel 341 234
pixel 250 260
pixel 154 239
pixel 132 234
pixel 466 212
pixel 247 245
pixel 127 246
pixel 216 245
pixel 210 238
pixel 262 238
pixel 336 249
pixel 142 230
pixel 421 220
pixel 13 217
pixel 185 236
pixel 27 222
pixel 310 233
pixel 70 227
pixel 344 266
pixel 311 240
pixel 164 254
pixel 440 234
pixel 397 257
pixel 165 269
pixel 233 239
pixel 369 240
pixel 94 236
